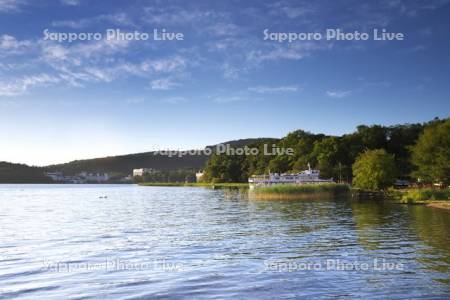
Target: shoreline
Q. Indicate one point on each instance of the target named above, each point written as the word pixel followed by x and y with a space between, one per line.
pixel 291 196
pixel 440 204
pixel 303 192
pixel 196 184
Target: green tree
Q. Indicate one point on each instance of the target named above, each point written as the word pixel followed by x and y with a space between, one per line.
pixel 374 170
pixel 372 137
pixel 325 156
pixel 226 168
pixel 431 153
pixel 279 164
pixel 400 138
pixel 302 143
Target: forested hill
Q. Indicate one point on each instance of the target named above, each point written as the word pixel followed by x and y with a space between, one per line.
pixel 18 173
pixel 121 165
pixel 124 164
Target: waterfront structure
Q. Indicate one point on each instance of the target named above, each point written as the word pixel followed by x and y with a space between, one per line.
pixel 199 175
pixel 94 177
pixel 55 176
pixel 83 177
pixel 141 172
pixel 309 176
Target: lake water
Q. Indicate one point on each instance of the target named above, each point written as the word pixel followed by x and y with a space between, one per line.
pixel 131 242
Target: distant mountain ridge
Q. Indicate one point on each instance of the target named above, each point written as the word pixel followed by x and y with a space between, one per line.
pixel 120 165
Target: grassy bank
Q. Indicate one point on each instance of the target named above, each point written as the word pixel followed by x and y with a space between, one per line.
pixel 292 191
pixel 197 184
pixel 440 204
pixel 430 197
pixel 420 196
pixel 426 194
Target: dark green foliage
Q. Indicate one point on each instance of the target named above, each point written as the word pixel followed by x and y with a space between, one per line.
pixel 226 168
pixel 181 175
pixel 334 156
pixel 125 164
pixel 425 194
pixel 18 173
pixel 431 153
pixel 374 170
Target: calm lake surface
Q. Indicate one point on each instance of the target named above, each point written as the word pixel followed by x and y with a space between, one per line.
pixel 131 242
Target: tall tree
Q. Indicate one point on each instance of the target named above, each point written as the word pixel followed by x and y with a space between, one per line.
pixel 400 139
pixel 325 154
pixel 374 170
pixel 431 153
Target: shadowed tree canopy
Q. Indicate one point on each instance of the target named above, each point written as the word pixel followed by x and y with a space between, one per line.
pixel 334 156
pixel 374 170
pixel 431 154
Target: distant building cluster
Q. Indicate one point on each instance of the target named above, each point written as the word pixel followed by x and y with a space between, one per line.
pixel 143 171
pixel 83 177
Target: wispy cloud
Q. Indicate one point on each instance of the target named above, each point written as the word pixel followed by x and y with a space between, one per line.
pixel 226 47
pixel 228 99
pixel 163 84
pixel 116 19
pixel 71 2
pixel 291 10
pixel 10 45
pixel 338 93
pixel 258 56
pixel 11 5
pixel 96 51
pixel 165 65
pixel 174 100
pixel 170 15
pixel 19 87
pixel 86 63
pixel 230 72
pixel 224 29
pixel 274 89
pixel 274 52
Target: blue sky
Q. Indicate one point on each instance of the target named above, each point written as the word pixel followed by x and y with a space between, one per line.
pixel 61 101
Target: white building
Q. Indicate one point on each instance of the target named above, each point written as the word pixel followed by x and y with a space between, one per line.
pixel 141 172
pixel 199 175
pixel 94 177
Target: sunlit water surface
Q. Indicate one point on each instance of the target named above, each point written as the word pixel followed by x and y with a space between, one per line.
pixel 130 242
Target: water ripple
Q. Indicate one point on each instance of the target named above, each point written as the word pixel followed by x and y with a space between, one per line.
pixel 63 242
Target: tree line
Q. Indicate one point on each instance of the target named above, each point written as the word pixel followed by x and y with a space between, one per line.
pixel 407 151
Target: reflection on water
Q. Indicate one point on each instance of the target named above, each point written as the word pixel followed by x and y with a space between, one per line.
pixel 62 242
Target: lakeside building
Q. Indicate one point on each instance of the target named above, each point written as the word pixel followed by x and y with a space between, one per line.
pixel 141 172
pixel 199 175
pixel 309 176
pixel 55 176
pixel 83 177
pixel 94 177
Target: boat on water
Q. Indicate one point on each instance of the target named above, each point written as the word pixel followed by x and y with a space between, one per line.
pixel 309 176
